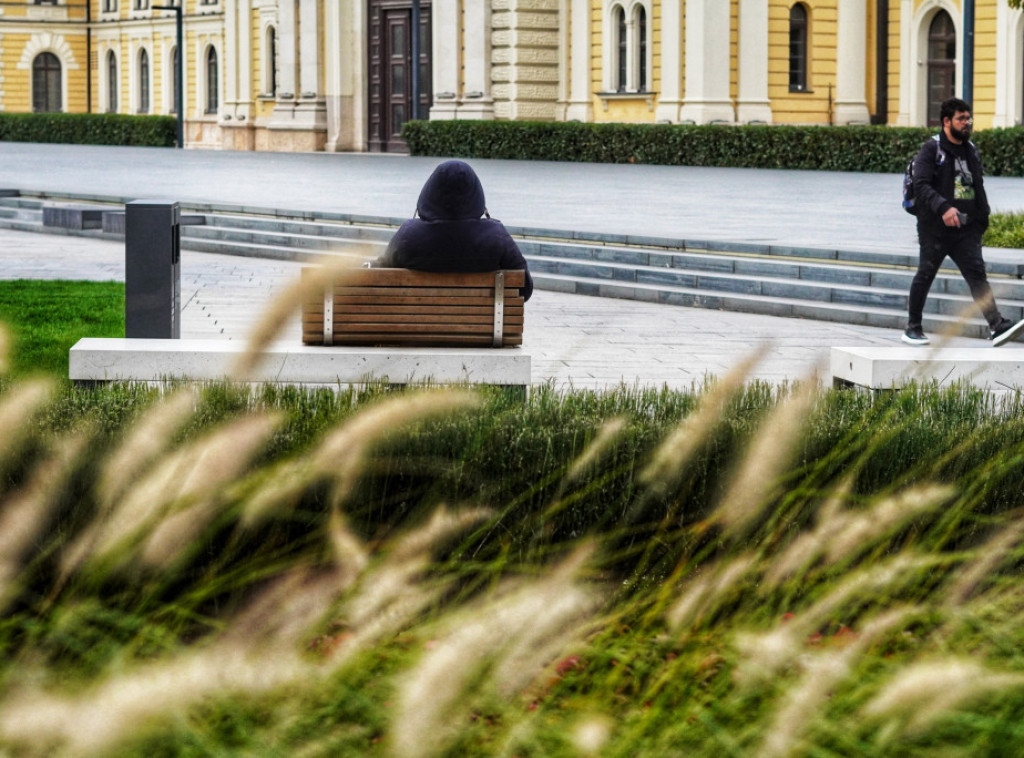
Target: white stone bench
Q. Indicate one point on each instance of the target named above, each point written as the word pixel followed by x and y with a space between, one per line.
pixel 881 368
pixel 95 359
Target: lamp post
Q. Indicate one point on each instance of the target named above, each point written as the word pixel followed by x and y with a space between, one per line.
pixel 415 54
pixel 179 77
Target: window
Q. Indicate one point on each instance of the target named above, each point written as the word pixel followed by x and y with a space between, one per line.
pixel 109 6
pixel 46 84
pixel 211 80
pixel 626 47
pixel 798 48
pixel 143 81
pixel 271 62
pixel 141 5
pixel 622 56
pixel 941 64
pixel 641 63
pixel 113 84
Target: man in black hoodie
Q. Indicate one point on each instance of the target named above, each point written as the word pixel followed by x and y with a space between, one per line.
pixel 453 231
pixel 952 218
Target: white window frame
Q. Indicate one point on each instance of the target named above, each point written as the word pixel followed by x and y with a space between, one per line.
pixel 630 9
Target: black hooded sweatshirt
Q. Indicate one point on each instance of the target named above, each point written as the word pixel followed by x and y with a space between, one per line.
pixel 451 233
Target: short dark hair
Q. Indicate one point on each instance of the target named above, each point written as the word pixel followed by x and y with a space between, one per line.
pixel 951 107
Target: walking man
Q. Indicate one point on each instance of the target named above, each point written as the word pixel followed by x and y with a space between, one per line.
pixel 952 216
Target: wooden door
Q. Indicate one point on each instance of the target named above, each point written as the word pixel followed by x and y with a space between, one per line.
pixel 391 71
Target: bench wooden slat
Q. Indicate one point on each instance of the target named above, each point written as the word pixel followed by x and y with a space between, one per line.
pixel 402 307
pixel 397 319
pixel 417 340
pixel 401 277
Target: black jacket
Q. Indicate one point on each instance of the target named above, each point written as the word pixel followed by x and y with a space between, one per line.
pixel 933 186
pixel 453 232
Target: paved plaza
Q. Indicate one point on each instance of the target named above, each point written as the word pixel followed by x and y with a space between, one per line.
pixel 573 340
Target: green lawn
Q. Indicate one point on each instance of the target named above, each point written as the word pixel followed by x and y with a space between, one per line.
pixel 47 317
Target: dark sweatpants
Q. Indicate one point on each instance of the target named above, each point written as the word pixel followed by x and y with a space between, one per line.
pixel 964 247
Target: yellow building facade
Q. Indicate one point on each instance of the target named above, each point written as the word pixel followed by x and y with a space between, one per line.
pixel 312 75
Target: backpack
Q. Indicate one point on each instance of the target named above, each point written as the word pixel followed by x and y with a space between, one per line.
pixel 909 201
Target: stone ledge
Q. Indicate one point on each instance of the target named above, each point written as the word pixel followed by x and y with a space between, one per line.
pixel 95 359
pixel 883 368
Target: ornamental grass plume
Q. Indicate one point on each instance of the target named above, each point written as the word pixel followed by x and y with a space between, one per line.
pixel 18 406
pixel 187 476
pixel 766 459
pixel 149 436
pixel 843 534
pixel 670 459
pixel 500 643
pixel 988 556
pixel 5 350
pixel 821 674
pixel 26 514
pixel 924 692
pixel 341 454
pixel 765 655
pixel 705 594
pixel 310 286
pixel 189 516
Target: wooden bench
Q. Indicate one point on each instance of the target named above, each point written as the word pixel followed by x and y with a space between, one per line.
pixel 399 307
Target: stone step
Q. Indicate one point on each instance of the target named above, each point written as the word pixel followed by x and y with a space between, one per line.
pixel 1010 294
pixel 740 302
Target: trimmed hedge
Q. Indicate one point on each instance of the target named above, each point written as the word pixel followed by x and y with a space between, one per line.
pixel 874 149
pixel 89 129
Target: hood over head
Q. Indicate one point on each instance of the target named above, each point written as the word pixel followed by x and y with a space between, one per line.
pixel 453 192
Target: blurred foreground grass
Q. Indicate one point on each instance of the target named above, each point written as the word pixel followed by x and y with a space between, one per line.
pixel 740 570
pixel 736 570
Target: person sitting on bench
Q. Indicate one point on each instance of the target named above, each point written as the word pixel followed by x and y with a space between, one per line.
pixel 452 231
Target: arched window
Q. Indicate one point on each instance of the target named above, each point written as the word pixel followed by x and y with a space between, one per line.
pixel 211 81
pixel 46 84
pixel 641 64
pixel 621 44
pixel 143 81
pixel 113 83
pixel 271 62
pixel 798 48
pixel 941 64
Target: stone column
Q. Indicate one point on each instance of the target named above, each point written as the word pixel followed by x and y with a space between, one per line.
pixel 707 63
pixel 851 65
pixel 753 104
pixel 908 65
pixel 579 106
pixel 445 32
pixel 671 98
pixel 476 101
pixel 287 58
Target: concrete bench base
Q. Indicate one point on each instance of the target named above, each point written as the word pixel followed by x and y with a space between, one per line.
pixel 882 368
pixel 152 360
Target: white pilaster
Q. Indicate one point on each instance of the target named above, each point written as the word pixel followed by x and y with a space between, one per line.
pixel 310 111
pixel 476 101
pixel 1009 65
pixel 671 98
pixel 851 53
pixel 287 60
pixel 908 62
pixel 445 33
pixel 753 104
pixel 707 63
pixel 580 106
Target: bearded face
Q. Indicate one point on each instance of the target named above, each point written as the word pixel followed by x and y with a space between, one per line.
pixel 960 126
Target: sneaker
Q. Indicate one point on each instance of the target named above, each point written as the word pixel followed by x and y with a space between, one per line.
pixel 1006 331
pixel 915 336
